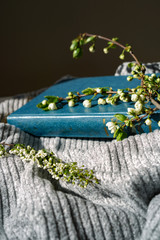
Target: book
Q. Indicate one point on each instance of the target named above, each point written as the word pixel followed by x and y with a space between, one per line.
pixel 77 121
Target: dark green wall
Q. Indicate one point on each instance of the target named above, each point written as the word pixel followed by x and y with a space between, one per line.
pixel 35 38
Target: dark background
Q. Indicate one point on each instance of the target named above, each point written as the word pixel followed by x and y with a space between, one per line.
pixel 35 37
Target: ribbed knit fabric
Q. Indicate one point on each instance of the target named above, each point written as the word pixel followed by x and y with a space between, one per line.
pixel 125 205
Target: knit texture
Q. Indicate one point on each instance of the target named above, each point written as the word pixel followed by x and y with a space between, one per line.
pixel 125 205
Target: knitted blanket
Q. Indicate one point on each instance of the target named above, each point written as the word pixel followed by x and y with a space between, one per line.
pixel 125 205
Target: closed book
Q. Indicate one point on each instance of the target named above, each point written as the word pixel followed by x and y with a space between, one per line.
pixel 77 121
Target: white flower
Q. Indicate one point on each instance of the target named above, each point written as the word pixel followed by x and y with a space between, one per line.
pixel 148 121
pixel 101 101
pixel 44 102
pixel 131 111
pixel 112 126
pixel 98 90
pixel 108 100
pixel 119 91
pixel 134 97
pixel 52 106
pixel 133 89
pixel 87 103
pixel 142 97
pixel 1 152
pixel 138 106
pixel 158 123
pixel 71 103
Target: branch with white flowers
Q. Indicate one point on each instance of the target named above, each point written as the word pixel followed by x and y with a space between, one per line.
pixel 68 172
pixel 147 91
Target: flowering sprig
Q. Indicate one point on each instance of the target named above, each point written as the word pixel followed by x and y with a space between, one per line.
pixel 68 172
pixel 148 90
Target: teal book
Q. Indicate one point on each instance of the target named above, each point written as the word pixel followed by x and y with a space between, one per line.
pixel 76 121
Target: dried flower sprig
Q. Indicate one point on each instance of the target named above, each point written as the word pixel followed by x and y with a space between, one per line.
pixel 147 91
pixel 68 172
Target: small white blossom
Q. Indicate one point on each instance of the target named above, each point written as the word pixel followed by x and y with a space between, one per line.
pixel 119 91
pixel 52 106
pixel 98 90
pixel 44 102
pixel 112 126
pixel 133 89
pixel 148 122
pixel 101 101
pixel 87 103
pixel 138 106
pixel 134 97
pixel 158 123
pixel 71 103
pixel 108 100
pixel 131 111
pixel 129 78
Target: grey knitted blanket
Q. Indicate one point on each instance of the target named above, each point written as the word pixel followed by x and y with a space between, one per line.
pixel 125 205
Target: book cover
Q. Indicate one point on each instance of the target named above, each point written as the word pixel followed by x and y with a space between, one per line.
pixel 76 121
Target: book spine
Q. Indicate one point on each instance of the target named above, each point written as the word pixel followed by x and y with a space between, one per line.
pixel 76 126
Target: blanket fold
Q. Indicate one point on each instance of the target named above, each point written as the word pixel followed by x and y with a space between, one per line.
pixel 125 205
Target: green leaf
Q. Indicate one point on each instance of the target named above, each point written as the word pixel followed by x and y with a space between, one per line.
pixel 120 117
pixel 89 39
pixel 77 53
pixel 52 99
pixel 130 65
pixel 121 136
pixel 88 91
pixel 81 42
pixel 116 132
pixel 115 39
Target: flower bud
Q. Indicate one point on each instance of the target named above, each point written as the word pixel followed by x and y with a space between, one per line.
pixel 148 121
pixel 52 106
pixel 105 50
pixel 71 103
pixel 108 100
pixel 121 56
pixel 134 97
pixel 101 101
pixel 44 102
pixel 119 91
pixel 158 80
pixel 158 123
pixel 129 78
pixel 98 90
pixel 153 75
pixel 87 103
pixel 92 48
